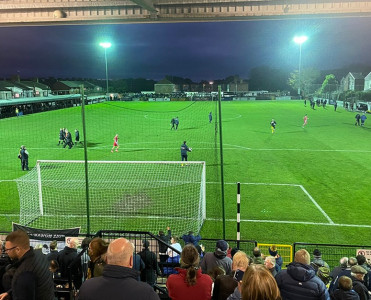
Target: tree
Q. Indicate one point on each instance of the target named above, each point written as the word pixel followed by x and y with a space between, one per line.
pixel 308 78
pixel 329 85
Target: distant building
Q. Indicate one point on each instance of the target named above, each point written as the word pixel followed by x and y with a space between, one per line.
pixel 65 87
pixel 39 89
pixel 353 82
pixel 164 86
pixel 367 85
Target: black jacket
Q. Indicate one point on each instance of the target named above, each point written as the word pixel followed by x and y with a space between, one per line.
pixel 360 288
pixel 344 295
pixel 119 283
pixel 300 282
pixel 32 279
pixel 65 258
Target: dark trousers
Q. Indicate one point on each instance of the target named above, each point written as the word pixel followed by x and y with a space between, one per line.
pixel 24 164
pixel 184 157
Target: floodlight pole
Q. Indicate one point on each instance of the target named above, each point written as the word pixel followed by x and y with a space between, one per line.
pixel 105 46
pixel 300 40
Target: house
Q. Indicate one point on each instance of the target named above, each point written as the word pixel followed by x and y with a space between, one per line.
pixel 39 89
pixel 367 85
pixel 353 82
pixel 5 92
pixel 164 86
pixel 65 87
pixel 18 90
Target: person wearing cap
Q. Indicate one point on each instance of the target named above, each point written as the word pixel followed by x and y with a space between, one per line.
pixel 151 270
pixel 299 280
pixel 217 258
pixel 345 291
pixel 119 280
pixel 357 275
pixel 318 261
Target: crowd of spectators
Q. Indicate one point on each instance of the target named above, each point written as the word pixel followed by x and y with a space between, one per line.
pixel 116 271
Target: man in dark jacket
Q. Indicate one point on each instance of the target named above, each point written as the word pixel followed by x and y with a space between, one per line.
pixel 357 275
pixel 190 238
pixel 218 258
pixel 344 292
pixel 119 280
pixel 299 280
pixel 24 158
pixel 162 246
pixel 68 262
pixel 151 269
pixel 32 279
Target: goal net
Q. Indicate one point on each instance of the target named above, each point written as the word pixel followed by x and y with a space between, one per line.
pixel 122 195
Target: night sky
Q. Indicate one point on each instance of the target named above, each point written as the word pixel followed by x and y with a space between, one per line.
pixel 191 50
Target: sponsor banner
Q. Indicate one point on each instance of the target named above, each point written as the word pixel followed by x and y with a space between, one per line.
pixel 47 234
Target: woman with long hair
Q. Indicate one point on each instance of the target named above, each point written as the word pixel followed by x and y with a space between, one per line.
pixel 190 283
pixel 259 284
pixel 97 253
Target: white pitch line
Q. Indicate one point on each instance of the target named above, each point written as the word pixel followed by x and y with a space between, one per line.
pixel 316 204
pixel 292 222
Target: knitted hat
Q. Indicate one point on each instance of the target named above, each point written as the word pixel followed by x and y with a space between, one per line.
pixel 316 252
pixel 222 245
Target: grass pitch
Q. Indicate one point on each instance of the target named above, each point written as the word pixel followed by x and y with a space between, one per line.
pixel 299 184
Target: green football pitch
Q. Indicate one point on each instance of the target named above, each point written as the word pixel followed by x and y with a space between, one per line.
pixel 299 184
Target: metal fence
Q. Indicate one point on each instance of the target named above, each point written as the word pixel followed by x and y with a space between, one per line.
pixel 332 253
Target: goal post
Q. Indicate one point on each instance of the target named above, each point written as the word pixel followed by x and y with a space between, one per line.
pixel 123 195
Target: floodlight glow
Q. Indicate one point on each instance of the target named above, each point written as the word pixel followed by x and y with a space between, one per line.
pixel 105 45
pixel 300 39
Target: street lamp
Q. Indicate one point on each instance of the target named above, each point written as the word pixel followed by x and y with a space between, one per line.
pixel 106 45
pixel 300 40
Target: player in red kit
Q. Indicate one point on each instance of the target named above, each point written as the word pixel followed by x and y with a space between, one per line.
pixel 115 143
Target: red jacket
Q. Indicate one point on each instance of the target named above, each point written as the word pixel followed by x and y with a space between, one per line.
pixel 179 290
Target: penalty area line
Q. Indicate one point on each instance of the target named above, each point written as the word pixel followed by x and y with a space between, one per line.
pixel 292 222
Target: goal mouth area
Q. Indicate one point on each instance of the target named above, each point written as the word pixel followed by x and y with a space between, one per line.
pixel 145 195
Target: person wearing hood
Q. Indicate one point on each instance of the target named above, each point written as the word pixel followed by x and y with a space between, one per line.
pixel 217 258
pixel 299 280
pixel 119 280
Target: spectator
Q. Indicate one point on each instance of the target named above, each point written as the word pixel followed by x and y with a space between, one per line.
pixel 54 269
pixel 119 279
pixel 337 270
pixel 151 270
pixel 138 264
pixel 173 257
pixel 299 280
pixel 258 257
pixel 258 283
pixel 217 258
pixel 53 254
pixel 162 245
pixel 318 262
pixel 190 283
pixel 270 264
pixel 225 285
pixel 346 272
pixel 279 261
pixel 357 275
pixel 361 260
pixel 97 252
pixel 191 239
pixel 31 279
pixel 68 264
pixel 345 291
